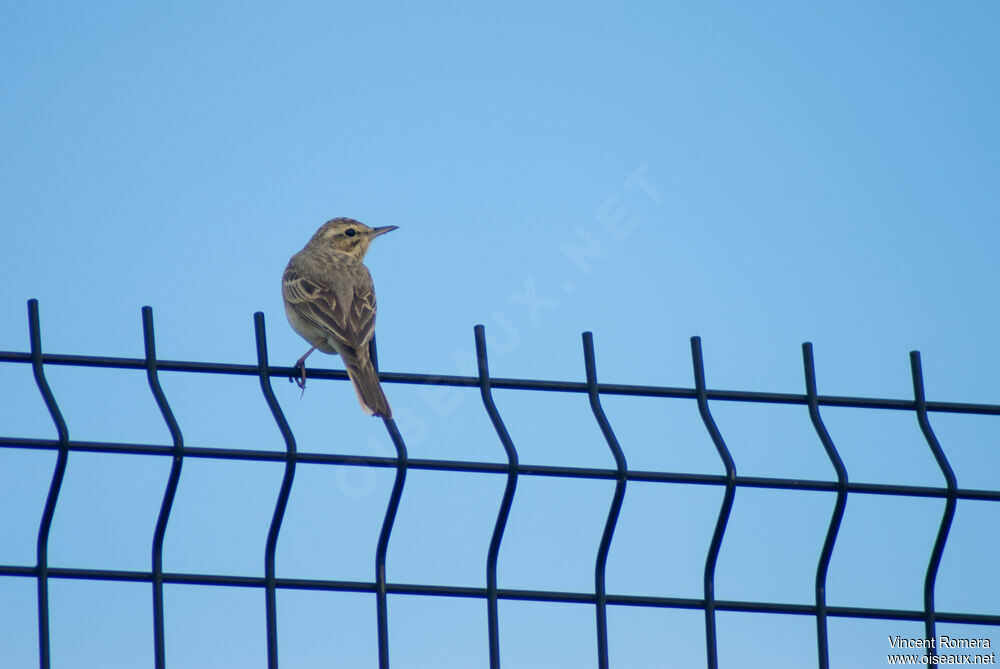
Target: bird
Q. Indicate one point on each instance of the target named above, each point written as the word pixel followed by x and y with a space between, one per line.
pixel 330 302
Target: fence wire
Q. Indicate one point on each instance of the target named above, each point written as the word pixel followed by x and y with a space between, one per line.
pixel 511 470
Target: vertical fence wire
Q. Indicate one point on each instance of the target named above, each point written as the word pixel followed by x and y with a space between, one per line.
pixel 812 400
pixel 950 500
pixel 701 394
pixel 621 473
pixel 381 604
pixel 270 603
pixel 152 377
pixel 42 546
pixel 492 615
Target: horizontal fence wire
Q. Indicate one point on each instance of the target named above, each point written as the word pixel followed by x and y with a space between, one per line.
pixel 512 469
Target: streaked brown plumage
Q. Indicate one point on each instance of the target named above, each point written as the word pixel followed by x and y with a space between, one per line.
pixel 330 301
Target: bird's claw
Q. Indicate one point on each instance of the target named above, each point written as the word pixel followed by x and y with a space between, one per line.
pixel 299 376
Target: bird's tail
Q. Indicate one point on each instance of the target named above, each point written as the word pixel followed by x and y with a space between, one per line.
pixel 366 384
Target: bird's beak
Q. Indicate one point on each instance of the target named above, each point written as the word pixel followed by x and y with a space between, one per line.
pixel 381 231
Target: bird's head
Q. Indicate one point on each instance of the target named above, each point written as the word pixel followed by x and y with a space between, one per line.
pixel 348 236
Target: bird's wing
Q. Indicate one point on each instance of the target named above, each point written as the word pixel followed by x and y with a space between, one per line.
pixel 343 307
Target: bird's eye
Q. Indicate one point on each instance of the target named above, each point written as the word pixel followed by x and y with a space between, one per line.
pixel 350 232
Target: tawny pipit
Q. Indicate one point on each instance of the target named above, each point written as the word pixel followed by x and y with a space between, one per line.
pixel 330 301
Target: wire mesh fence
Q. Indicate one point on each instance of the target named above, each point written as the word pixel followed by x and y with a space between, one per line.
pixel 511 471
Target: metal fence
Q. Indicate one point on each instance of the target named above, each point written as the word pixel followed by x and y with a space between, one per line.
pixel 512 470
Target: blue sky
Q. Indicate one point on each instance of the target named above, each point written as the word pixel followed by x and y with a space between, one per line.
pixel 759 176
